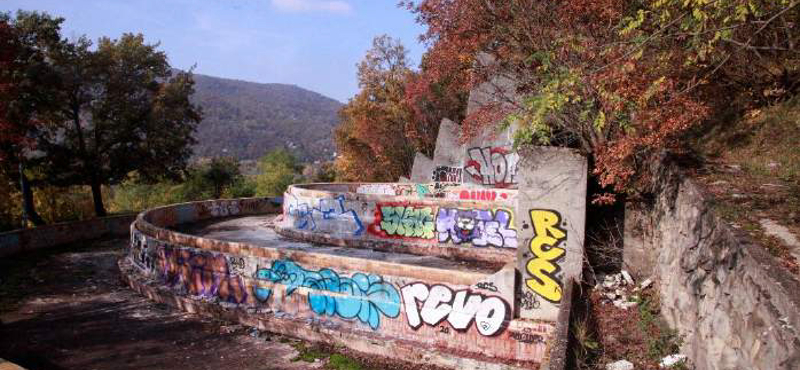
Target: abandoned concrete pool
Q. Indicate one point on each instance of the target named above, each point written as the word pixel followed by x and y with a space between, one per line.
pixel 445 274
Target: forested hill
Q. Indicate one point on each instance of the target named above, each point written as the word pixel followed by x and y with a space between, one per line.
pixel 246 119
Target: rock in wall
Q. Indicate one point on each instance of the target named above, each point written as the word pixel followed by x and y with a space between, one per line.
pixel 734 305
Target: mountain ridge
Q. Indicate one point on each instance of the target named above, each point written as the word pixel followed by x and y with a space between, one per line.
pixel 245 119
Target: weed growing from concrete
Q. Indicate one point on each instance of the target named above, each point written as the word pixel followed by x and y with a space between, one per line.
pixel 309 353
pixel 661 340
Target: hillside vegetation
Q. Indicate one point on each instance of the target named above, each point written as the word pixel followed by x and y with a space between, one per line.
pixel 752 166
pixel 244 120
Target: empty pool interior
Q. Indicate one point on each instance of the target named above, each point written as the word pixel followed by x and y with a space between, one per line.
pixel 259 230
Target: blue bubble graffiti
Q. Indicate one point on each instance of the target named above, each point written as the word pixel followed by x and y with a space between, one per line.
pixel 361 296
pixel 262 294
pixel 307 217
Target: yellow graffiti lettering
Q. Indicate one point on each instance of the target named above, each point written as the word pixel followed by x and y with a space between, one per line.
pixel 546 251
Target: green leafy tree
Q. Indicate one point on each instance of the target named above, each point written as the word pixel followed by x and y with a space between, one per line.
pixel 221 173
pixel 278 169
pixel 134 196
pixel 122 109
pixel 27 91
pixel 244 187
pixel 218 178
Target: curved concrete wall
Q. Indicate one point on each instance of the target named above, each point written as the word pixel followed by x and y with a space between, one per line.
pixel 440 219
pixel 452 317
pixel 47 236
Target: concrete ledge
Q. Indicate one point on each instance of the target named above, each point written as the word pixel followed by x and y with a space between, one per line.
pixel 334 331
pixel 420 218
pixel 47 236
pixel 490 256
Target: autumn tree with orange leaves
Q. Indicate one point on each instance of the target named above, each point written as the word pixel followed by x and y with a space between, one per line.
pixel 396 113
pixel 619 80
pixel 371 140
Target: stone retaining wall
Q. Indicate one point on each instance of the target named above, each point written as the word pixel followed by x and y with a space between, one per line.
pixel 735 306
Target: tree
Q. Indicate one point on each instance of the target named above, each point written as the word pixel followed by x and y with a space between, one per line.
pixel 278 169
pixel 221 173
pixel 371 138
pixel 209 180
pixel 121 109
pixel 430 97
pixel 619 80
pixel 27 92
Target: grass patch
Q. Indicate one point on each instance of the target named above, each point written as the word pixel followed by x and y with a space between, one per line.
pixel 336 361
pixel 661 340
pixel 342 362
pixel 753 170
pixel 586 348
pixel 309 353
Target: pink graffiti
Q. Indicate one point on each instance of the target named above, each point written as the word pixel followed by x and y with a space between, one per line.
pixel 489 195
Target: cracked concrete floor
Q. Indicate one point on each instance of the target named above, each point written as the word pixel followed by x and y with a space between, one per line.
pixel 68 310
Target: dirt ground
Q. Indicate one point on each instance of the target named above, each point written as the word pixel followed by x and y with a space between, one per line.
pixel 69 310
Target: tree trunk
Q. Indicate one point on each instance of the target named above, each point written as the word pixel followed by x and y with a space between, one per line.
pixel 97 197
pixel 28 207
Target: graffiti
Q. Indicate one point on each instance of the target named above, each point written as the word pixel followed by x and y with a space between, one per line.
pixel 141 254
pixel 361 296
pixel 224 208
pixel 380 189
pixel 422 191
pixel 403 190
pixel 236 265
pixel 202 274
pixel 487 285
pixel 328 211
pixel 545 246
pixel 386 189
pixel 474 194
pixel 476 226
pixel 437 190
pixel 446 174
pixel 403 221
pixel 440 189
pixel 525 336
pixel 459 308
pixel 492 166
pixel 528 301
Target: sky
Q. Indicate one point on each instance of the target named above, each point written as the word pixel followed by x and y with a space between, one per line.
pixel 314 44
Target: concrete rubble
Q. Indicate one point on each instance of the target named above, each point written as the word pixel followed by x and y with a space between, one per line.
pixel 619 289
pixel 672 360
pixel 620 365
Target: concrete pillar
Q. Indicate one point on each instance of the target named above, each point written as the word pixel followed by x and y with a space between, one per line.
pixel 551 217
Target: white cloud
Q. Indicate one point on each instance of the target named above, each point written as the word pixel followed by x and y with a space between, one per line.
pixel 299 6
